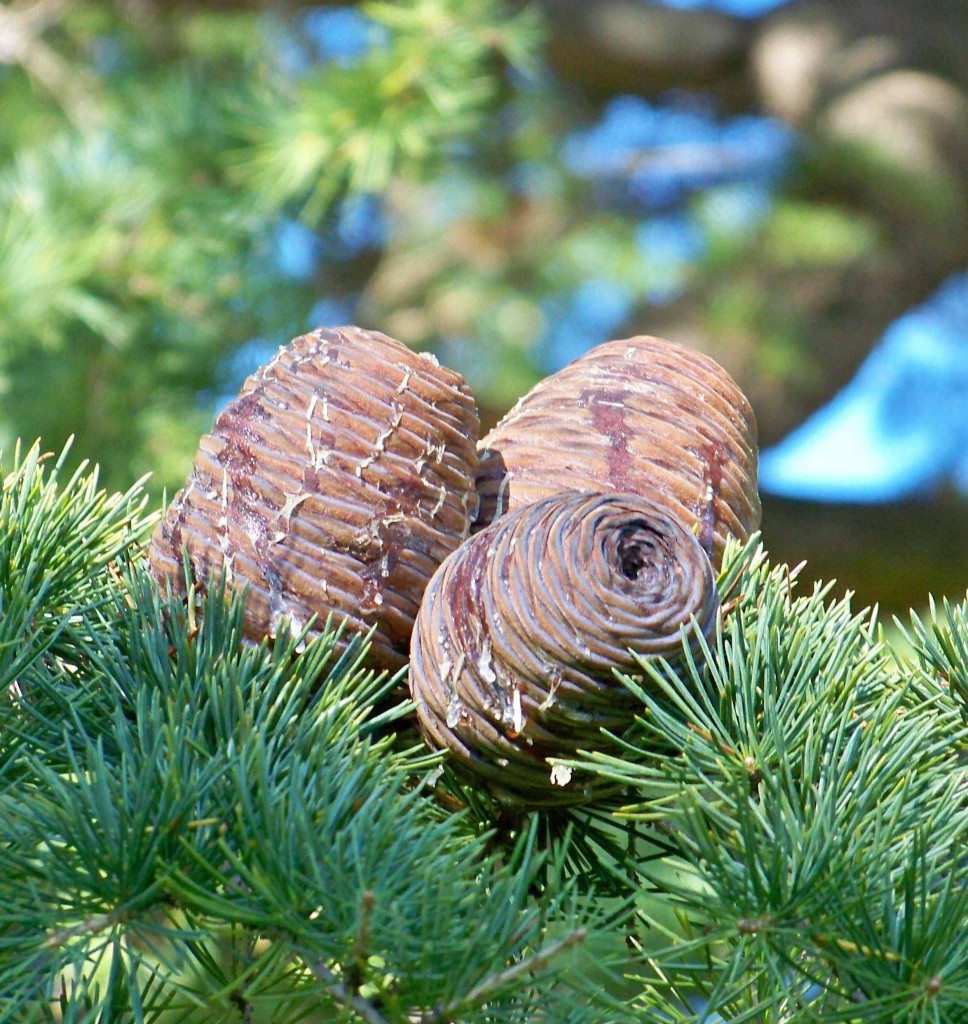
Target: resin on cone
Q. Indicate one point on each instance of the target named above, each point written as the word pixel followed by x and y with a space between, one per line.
pixel 642 416
pixel 335 484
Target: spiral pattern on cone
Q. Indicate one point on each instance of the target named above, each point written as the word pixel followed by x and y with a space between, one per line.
pixel 640 416
pixel 336 483
pixel 520 630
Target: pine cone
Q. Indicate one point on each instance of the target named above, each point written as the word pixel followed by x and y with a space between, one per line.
pixel 336 483
pixel 520 629
pixel 641 416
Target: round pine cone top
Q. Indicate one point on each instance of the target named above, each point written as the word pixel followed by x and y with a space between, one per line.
pixel 336 483
pixel 642 416
pixel 521 630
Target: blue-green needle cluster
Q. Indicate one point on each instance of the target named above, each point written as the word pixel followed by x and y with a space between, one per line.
pixel 813 788
pixel 197 828
pixel 194 827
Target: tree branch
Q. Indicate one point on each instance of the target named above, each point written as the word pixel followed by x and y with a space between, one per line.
pixel 627 45
pixel 21 26
pixel 345 995
pixel 499 979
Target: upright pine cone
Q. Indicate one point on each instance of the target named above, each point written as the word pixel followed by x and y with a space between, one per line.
pixel 521 628
pixel 336 483
pixel 641 416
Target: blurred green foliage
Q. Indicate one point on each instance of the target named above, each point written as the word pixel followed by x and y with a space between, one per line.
pixel 152 151
pixel 142 179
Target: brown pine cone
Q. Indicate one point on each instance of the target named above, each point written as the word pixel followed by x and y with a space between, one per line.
pixel 640 416
pixel 336 483
pixel 521 628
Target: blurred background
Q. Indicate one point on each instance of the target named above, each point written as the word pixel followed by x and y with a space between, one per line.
pixel 185 185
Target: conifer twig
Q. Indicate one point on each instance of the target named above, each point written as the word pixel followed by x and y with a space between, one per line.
pixel 91 925
pixel 345 996
pixel 354 975
pixel 494 982
pixel 245 1007
pixel 21 27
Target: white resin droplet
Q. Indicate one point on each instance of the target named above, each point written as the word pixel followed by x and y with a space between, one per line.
pixel 454 709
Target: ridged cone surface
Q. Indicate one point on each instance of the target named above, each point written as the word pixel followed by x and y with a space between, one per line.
pixel 642 416
pixel 336 483
pixel 520 630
